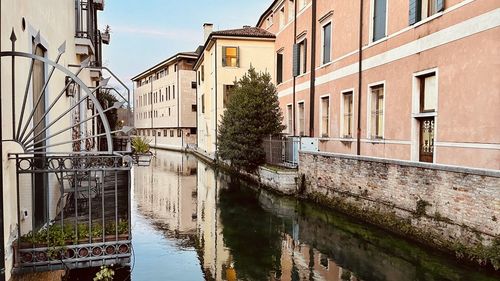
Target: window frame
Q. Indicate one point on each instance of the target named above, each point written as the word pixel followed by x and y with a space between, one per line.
pixel 224 56
pixel 289 119
pixel 372 22
pixel 343 94
pixel 371 87
pixel 279 78
pixel 329 116
pixel 323 25
pixel 303 125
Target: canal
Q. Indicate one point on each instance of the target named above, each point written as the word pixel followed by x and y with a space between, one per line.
pixel 192 223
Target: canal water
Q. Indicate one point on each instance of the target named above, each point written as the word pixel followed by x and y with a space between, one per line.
pixel 192 223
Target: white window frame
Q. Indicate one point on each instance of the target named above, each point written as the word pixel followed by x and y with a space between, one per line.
pixel 372 23
pixel 298 117
pixel 415 128
pixel 302 61
pixel 369 109
pixel 342 110
pixel 282 21
pixel 321 133
pixel 323 42
pixel 289 129
pixel 291 10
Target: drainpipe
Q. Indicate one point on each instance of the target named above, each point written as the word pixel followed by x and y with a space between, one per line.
pixel 216 86
pixel 360 76
pixel 312 89
pixel 294 78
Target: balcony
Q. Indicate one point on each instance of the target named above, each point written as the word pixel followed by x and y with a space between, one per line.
pixel 89 223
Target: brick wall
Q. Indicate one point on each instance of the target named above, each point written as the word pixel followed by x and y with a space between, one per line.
pixel 456 209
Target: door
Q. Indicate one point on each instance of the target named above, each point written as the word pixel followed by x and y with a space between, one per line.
pixel 426 146
pixel 40 180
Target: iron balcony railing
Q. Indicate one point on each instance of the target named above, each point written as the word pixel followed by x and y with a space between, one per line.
pixel 282 151
pixel 74 211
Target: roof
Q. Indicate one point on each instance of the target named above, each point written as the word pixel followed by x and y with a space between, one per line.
pixel 189 55
pixel 246 31
pixel 261 19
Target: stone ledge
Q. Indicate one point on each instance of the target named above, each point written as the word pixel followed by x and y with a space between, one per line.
pixel 440 167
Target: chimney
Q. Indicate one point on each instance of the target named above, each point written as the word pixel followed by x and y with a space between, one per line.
pixel 207 29
pixel 246 26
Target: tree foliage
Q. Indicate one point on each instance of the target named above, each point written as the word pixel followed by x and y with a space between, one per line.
pixel 252 114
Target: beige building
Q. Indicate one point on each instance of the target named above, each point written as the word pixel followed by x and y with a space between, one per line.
pixel 50 111
pixel 413 83
pixel 227 55
pixel 165 102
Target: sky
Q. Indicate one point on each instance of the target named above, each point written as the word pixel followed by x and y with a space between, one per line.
pixel 145 32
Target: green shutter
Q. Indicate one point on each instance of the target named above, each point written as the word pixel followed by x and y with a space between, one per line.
pixel 296 57
pixel 224 63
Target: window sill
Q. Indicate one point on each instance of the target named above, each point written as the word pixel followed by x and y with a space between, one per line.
pixel 325 65
pixel 425 114
pixel 376 140
pixel 301 75
pixel 231 67
pixel 428 19
pixel 347 139
pixel 381 40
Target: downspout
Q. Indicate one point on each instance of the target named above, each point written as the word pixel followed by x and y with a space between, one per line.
pixel 294 78
pixel 360 76
pixel 312 89
pixel 216 116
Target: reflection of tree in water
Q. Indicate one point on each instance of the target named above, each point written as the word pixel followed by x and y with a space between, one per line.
pixel 251 234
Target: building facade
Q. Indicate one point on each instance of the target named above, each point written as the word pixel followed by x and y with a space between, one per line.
pixel 227 55
pixel 404 80
pixel 165 102
pixel 50 112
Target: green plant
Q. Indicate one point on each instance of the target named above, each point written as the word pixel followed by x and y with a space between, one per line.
pixel 421 206
pixel 105 274
pixel 252 114
pixel 140 145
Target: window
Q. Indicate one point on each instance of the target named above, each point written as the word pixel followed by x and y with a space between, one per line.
pixel 199 77
pixel 194 108
pixel 203 103
pixel 168 93
pixel 428 93
pixel 173 92
pixel 171 133
pixel 347 118
pixel 193 85
pixel 230 56
pixel 202 73
pixel 377 112
pixel 289 112
pixel 227 95
pixel 193 131
pixel 327 42
pixel 279 68
pixel 282 17
pixel 164 133
pixel 299 58
pixel 302 121
pixel 179 133
pixel 175 67
pixel 379 19
pixel 291 9
pixel 169 111
pixel 325 116
pixel 422 9
pixel 302 4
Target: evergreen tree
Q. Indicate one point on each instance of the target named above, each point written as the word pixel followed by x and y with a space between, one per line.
pixel 252 114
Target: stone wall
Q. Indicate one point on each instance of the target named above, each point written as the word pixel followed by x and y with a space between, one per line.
pixel 452 208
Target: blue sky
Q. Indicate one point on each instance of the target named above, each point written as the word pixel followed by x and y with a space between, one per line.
pixel 145 32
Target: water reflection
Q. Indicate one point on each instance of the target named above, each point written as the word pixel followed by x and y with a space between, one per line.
pixel 192 223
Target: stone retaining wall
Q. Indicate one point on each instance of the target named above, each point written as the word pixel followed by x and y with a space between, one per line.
pixel 456 209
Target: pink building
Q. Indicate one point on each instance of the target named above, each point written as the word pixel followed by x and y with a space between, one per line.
pixel 416 82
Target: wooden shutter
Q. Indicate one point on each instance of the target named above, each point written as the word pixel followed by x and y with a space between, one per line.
pixel 296 59
pixel 415 11
pixel 439 5
pixel 224 63
pixel 237 56
pixel 305 55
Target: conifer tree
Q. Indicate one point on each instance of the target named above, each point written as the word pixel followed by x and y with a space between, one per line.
pixel 252 114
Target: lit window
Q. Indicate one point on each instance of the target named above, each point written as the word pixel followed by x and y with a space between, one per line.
pixel 230 57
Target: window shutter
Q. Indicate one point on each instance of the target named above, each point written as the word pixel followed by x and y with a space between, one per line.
pixel 237 56
pixel 439 5
pixel 305 55
pixel 296 60
pixel 279 70
pixel 224 63
pixel 415 11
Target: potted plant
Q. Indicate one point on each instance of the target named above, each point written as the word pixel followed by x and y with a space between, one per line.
pixel 141 151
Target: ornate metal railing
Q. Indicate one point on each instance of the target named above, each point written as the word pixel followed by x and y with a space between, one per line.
pixel 88 224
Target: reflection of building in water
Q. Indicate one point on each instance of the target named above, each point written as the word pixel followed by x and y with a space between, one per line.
pixel 216 259
pixel 166 191
pixel 301 262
